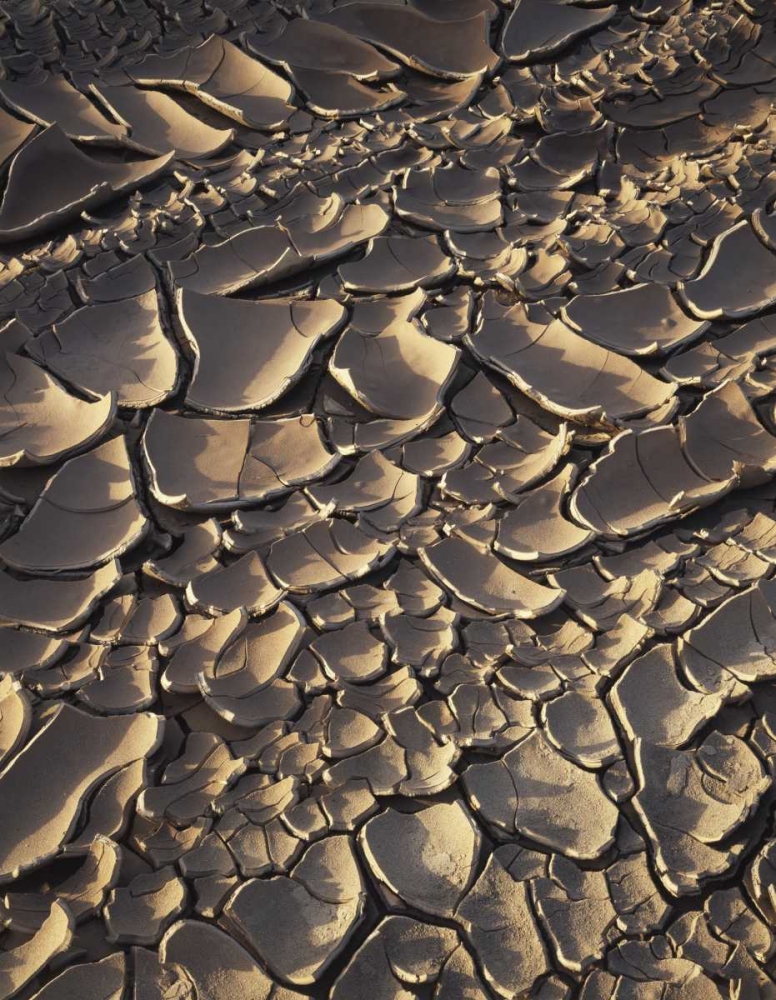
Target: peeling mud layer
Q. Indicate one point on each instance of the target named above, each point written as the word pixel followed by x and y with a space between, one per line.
pixel 387 500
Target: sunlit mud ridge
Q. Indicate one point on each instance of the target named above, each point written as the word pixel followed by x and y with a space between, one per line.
pixel 387 481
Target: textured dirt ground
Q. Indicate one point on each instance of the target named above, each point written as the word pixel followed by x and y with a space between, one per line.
pixel 387 595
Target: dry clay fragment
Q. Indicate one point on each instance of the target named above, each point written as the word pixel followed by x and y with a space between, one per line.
pixel 115 281
pixel 351 654
pixel 734 566
pixel 419 762
pixel 328 65
pixel 127 619
pixel 113 347
pixel 125 681
pixel 298 924
pixel 520 455
pixel 51 182
pixel 86 515
pixel 243 584
pixel 13 134
pixel 723 433
pixel 632 888
pixel 211 964
pixel 52 100
pixel 641 320
pixel 450 317
pixel 196 647
pixel 480 718
pixel 140 912
pixel 499 920
pixel 538 28
pixel 759 880
pixel 421 643
pixel 535 791
pixel 433 456
pixel 396 371
pixel 451 50
pixel 271 253
pixel 397 264
pixel 21 964
pixel 758 537
pixel 560 369
pixel 576 910
pixel 349 732
pixel 83 891
pixel 653 109
pixel 70 673
pixel 157 124
pixel 647 477
pixel 15 715
pixel 103 980
pixel 579 725
pixel 193 556
pixel 451 197
pixel 310 44
pixel 733 355
pixel 40 421
pixel 694 804
pixel 536 529
pixel 352 425
pixel 247 354
pixel 246 684
pixel 654 705
pixel 42 790
pixel 258 529
pixel 480 578
pixel 737 279
pixel 338 95
pixel 402 952
pixel 324 554
pixel 480 410
pixel 688 983
pixel 222 76
pixel 198 464
pixel 736 642
pixel 642 480
pixel 600 602
pixel 428 858
pixel 55 605
pixel 191 784
pixel 372 483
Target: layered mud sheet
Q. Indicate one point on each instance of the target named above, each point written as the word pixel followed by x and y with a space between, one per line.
pixel 387 456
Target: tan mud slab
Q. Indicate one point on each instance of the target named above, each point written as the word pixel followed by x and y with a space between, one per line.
pixel 387 500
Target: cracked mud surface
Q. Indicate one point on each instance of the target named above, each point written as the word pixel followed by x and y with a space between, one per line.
pixel 387 500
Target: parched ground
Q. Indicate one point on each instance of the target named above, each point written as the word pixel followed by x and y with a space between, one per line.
pixel 387 523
